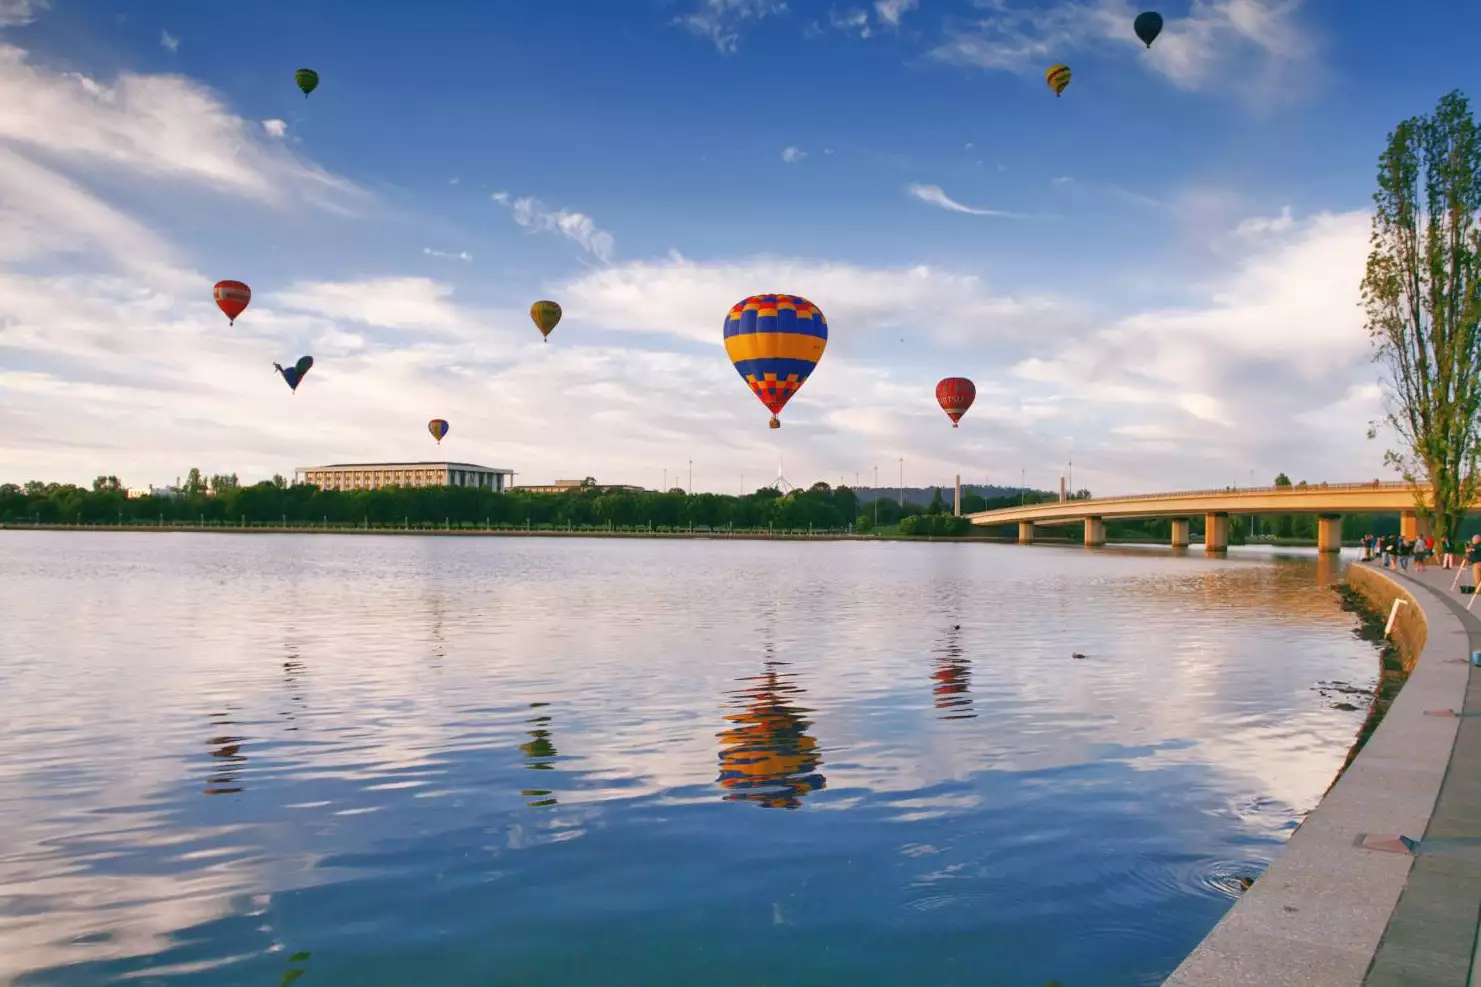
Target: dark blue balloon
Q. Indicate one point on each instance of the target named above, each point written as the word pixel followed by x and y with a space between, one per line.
pixel 294 374
pixel 1148 26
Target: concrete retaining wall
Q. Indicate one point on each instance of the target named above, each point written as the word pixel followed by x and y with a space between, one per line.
pixel 1317 915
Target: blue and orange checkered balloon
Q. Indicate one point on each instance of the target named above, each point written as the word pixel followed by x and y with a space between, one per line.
pixel 775 341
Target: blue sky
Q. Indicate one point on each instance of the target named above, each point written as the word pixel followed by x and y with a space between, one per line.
pixel 1170 299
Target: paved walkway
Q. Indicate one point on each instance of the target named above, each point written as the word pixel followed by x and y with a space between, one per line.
pixel 1431 936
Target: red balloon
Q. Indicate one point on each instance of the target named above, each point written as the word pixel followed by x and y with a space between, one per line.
pixel 955 395
pixel 232 297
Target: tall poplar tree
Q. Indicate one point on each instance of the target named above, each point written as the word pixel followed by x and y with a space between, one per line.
pixel 1422 295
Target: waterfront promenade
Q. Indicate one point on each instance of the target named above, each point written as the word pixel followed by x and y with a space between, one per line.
pixel 1348 903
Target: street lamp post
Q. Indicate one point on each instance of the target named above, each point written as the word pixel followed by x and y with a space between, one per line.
pixel 691 477
pixel 902 483
pixel 875 492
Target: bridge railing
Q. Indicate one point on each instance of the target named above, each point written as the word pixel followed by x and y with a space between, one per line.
pixel 1178 494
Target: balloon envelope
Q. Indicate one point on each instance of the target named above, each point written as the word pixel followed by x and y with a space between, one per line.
pixel 303 365
pixel 1147 26
pixel 546 316
pixel 775 342
pixel 294 374
pixel 307 79
pixel 1058 77
pixel 438 428
pixel 232 297
pixel 955 395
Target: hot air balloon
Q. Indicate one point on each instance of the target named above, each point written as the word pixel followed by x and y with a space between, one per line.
pixel 775 341
pixel 1147 26
pixel 308 81
pixel 232 297
pixel 294 374
pixel 1058 77
pixel 955 395
pixel 438 428
pixel 547 316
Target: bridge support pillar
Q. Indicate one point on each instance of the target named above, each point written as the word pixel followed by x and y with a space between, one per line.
pixel 1095 532
pixel 1180 533
pixel 1025 532
pixel 1329 533
pixel 1410 527
pixel 1216 532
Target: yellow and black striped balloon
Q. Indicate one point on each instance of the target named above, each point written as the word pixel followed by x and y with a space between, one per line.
pixel 1058 77
pixel 545 315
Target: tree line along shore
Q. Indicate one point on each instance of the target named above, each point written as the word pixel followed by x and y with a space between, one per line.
pixel 275 504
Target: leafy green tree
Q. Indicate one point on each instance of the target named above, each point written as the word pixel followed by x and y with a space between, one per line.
pixel 864 524
pixel 1422 297
pixel 937 505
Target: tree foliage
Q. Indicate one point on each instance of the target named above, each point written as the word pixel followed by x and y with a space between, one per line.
pixel 1422 297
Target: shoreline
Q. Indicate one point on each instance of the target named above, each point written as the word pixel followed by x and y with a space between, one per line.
pixel 746 535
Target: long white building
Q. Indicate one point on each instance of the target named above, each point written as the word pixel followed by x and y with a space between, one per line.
pixel 374 476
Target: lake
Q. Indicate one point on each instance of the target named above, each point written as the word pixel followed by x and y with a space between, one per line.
pixel 424 761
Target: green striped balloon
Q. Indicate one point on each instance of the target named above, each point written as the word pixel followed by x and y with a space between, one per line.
pixel 307 79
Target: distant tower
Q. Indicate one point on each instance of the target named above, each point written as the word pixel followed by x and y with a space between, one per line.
pixel 957 507
pixel 1064 491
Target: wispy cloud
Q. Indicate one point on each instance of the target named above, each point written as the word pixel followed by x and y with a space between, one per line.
pixel 169 42
pixel 851 22
pixel 15 13
pixel 792 155
pixel 460 255
pixel 1251 45
pixel 275 128
pixel 153 126
pixel 577 227
pixel 934 195
pixel 890 11
pixel 721 20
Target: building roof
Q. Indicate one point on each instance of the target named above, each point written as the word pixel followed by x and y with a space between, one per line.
pixel 403 466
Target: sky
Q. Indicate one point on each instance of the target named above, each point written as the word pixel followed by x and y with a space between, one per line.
pixel 1154 277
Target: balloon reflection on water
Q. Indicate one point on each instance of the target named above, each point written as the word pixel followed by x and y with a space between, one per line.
pixel 540 755
pixel 767 756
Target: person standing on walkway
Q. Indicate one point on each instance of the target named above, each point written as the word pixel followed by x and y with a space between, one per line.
pixel 1447 548
pixel 1421 553
pixel 1406 549
pixel 1367 548
pixel 1390 550
pixel 1473 557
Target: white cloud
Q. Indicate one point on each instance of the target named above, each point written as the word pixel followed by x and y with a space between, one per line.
pixel 460 255
pixel 721 20
pixel 16 13
pixel 418 304
pixel 577 227
pixel 872 304
pixel 1253 45
pixel 275 128
pixel 169 42
pixel 935 196
pixel 1259 225
pixel 154 126
pixel 792 155
pixel 854 21
pixel 890 11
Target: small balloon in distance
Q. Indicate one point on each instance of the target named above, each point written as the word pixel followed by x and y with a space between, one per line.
pixel 1058 78
pixel 955 395
pixel 1147 26
pixel 232 297
pixel 294 374
pixel 308 81
pixel 439 428
pixel 546 315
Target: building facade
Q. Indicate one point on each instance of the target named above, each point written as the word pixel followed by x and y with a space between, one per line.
pixel 375 476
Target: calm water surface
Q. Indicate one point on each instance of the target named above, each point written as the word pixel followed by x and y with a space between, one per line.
pixel 435 761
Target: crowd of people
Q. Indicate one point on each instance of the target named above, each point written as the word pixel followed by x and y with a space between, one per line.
pixel 1395 552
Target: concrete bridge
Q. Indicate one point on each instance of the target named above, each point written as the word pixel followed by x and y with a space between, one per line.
pixel 1328 501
